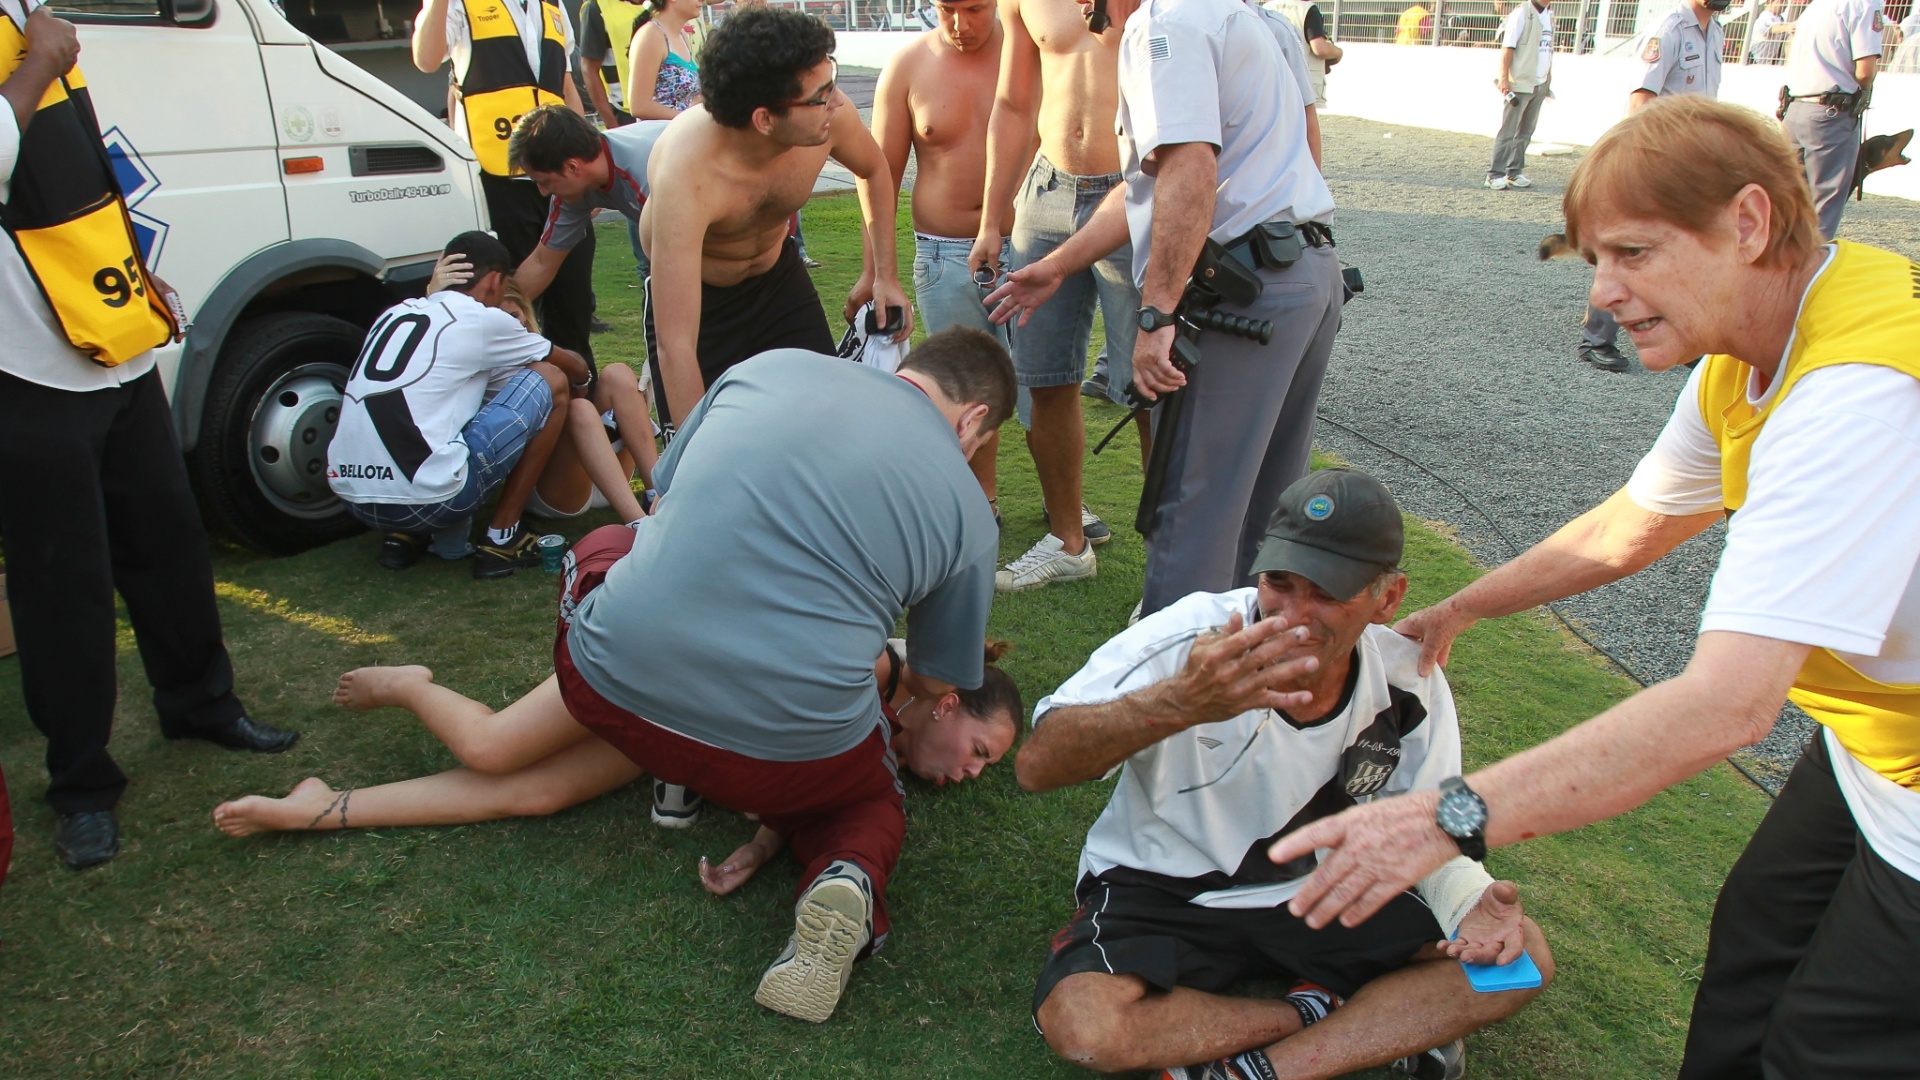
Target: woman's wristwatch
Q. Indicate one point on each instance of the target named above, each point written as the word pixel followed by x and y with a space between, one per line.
pixel 1462 814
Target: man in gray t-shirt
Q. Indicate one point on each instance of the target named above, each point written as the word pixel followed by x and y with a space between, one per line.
pixel 605 170
pixel 726 643
pixel 748 614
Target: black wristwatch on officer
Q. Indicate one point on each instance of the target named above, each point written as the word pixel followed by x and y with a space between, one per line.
pixel 1152 318
pixel 1462 814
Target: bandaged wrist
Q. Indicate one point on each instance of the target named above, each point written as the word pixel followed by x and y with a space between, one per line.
pixel 1452 890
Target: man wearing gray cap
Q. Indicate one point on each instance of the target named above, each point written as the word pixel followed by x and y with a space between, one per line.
pixel 1233 719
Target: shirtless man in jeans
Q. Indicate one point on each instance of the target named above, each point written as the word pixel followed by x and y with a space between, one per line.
pixel 725 178
pixel 933 99
pixel 1058 73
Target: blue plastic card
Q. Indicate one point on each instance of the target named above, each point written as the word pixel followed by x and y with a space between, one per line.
pixel 1522 974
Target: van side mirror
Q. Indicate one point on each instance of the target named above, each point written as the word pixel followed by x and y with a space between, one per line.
pixel 188 12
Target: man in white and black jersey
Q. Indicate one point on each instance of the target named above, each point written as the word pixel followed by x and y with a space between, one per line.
pixel 450 399
pixel 1233 719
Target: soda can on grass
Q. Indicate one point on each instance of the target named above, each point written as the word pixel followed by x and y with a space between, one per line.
pixel 553 548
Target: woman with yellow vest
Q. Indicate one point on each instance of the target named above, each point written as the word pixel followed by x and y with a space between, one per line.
pixel 1801 429
pixel 93 491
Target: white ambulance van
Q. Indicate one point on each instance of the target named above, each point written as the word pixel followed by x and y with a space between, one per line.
pixel 290 197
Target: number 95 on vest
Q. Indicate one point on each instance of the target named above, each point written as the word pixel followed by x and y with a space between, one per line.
pixel 94 282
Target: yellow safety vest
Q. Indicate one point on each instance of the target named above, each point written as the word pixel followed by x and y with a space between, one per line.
pixel 1864 309
pixel 618 16
pixel 500 86
pixel 66 215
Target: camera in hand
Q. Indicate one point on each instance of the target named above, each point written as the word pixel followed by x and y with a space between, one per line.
pixel 896 318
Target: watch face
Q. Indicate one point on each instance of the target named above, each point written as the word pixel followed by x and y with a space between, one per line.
pixel 1461 814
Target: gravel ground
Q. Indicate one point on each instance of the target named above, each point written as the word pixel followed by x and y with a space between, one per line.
pixel 1461 356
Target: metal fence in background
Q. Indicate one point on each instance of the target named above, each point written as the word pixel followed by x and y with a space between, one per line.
pixel 1579 26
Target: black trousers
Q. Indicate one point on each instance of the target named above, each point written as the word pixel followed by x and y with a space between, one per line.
pixel 519 214
pixel 94 498
pixel 1813 949
pixel 779 309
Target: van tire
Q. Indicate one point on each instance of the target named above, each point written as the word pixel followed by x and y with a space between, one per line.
pixel 269 499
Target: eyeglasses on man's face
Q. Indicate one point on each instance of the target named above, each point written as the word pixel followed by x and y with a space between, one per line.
pixel 825 96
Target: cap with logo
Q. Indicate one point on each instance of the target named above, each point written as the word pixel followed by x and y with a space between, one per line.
pixel 1338 528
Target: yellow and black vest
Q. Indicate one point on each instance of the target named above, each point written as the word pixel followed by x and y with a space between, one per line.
pixel 66 215
pixel 1864 309
pixel 618 16
pixel 500 87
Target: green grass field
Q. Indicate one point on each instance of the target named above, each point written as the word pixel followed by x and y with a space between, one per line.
pixel 582 944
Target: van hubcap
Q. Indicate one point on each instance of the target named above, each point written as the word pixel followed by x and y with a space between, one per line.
pixel 287 446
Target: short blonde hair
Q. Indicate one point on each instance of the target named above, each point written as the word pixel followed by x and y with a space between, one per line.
pixel 1681 160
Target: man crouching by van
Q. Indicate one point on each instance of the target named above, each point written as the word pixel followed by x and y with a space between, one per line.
pixel 450 399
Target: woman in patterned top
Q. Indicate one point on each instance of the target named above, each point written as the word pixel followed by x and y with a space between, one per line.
pixel 661 56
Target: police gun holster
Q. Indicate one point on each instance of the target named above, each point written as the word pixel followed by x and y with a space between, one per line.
pixel 1224 274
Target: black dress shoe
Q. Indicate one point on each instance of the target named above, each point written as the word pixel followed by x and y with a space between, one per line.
pixel 86 839
pixel 241 734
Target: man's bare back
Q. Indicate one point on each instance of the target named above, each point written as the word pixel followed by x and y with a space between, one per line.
pixel 940 96
pixel 1079 79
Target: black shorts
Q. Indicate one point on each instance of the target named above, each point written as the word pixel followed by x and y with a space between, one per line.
pixel 779 309
pixel 1129 929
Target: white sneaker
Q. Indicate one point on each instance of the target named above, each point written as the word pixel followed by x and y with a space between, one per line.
pixel 674 807
pixel 831 924
pixel 1045 562
pixel 1497 183
pixel 1520 181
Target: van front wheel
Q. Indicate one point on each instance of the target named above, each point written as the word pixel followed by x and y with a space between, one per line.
pixel 272 405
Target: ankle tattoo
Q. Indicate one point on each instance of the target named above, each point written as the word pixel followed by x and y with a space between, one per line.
pixel 322 815
pixel 340 802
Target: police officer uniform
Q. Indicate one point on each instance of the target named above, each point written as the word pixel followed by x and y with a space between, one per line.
pixel 93 488
pixel 1208 71
pixel 509 57
pixel 1820 117
pixel 1680 57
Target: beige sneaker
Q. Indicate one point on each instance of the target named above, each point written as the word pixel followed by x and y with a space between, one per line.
pixel 832 923
pixel 1044 563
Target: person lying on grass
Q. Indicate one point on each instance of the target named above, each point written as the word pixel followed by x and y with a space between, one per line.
pixel 1234 719
pixel 806 505
pixel 942 740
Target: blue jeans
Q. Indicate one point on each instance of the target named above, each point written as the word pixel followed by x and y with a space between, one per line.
pixel 944 290
pixel 1051 350
pixel 495 437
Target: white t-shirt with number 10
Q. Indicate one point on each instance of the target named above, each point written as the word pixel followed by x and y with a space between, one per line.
pixel 420 377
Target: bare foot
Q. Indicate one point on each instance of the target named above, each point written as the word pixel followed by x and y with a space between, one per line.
pixel 305 807
pixel 377 687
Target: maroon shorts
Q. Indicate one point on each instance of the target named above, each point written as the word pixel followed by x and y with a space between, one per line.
pixel 848 806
